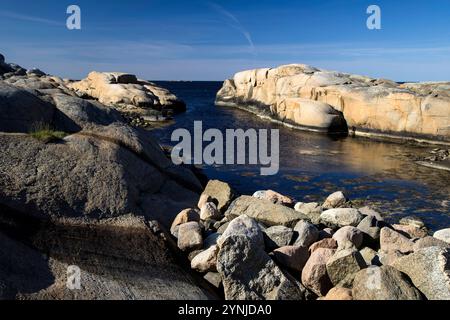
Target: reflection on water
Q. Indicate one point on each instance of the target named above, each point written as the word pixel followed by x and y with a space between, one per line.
pixel 312 166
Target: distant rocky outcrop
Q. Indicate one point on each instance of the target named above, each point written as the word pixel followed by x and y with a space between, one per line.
pixel 328 101
pixel 129 94
pixel 79 186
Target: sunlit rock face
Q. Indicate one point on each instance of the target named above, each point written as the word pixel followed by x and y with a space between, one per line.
pixel 319 99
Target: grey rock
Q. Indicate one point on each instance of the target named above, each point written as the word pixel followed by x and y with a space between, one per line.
pixel 383 283
pixel 119 259
pixel 264 211
pixel 344 265
pixel 277 236
pixel 22 111
pixel 214 279
pixel 429 242
pixel 341 217
pixel 367 211
pixel 307 234
pixel 248 273
pixel 371 227
pixel 210 211
pixel 429 271
pixel 190 236
pixel 220 192
pixel 246 227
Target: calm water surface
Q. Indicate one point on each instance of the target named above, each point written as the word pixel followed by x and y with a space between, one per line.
pixel 379 174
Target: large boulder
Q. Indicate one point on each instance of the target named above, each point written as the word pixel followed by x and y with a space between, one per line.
pixel 248 273
pixel 429 271
pixel 264 211
pixel 106 169
pixel 22 111
pixel 119 259
pixel 443 235
pixel 383 283
pixel 312 98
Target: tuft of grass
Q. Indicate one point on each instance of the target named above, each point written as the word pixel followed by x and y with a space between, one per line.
pixel 46 134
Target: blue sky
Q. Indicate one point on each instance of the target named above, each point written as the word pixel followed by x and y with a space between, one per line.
pixel 211 40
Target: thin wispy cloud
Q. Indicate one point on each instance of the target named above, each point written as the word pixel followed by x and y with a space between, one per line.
pixel 234 23
pixel 29 18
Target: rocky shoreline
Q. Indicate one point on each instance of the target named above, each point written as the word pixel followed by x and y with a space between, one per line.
pixel 80 186
pixel 309 98
pixel 267 246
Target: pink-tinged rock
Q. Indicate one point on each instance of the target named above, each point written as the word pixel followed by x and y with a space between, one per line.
pixel 411 231
pixel 339 294
pixel 314 274
pixel 328 243
pixel 349 234
pixel 187 215
pixel 292 257
pixel 274 197
pixel 391 240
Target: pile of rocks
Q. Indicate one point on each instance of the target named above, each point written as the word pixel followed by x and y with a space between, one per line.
pixel 268 247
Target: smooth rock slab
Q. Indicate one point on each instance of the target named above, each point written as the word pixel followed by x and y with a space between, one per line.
pixel 248 273
pixel 429 271
pixel 342 217
pixel 264 211
pixel 383 283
